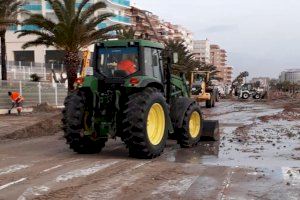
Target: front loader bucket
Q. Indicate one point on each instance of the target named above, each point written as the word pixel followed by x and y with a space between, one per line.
pixel 210 130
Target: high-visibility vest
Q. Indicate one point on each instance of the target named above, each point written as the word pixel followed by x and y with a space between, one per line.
pixel 16 97
pixel 127 65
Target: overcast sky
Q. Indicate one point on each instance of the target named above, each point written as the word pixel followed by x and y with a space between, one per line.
pixel 261 36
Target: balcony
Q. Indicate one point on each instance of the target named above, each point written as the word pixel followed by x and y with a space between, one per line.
pixel 138 14
pixel 121 19
pixel 125 3
pixel 29 27
pixel 13 28
pixel 49 7
pixel 32 7
pixel 102 25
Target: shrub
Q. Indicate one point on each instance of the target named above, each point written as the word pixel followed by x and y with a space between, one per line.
pixel 35 78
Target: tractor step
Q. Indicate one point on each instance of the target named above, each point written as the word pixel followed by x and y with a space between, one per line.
pixel 210 130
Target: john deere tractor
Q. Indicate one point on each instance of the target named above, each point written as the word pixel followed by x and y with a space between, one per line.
pixel 127 93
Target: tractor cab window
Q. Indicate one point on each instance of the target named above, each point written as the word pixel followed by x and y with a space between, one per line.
pixel 118 62
pixel 197 85
pixel 153 64
pixel 246 87
pixel 198 79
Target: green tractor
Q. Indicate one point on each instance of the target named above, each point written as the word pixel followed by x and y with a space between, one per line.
pixel 128 94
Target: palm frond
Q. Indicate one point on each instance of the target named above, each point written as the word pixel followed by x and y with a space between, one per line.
pixel 90 11
pixel 37 42
pixel 58 9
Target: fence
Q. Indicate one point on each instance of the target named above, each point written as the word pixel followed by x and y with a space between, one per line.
pixel 33 92
pixel 23 70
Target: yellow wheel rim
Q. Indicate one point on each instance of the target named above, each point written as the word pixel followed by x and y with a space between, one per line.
pixel 156 124
pixel 195 124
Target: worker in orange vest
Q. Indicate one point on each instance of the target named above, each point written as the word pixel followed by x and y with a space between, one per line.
pixel 17 100
pixel 127 65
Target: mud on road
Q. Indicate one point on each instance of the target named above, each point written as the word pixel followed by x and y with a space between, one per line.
pixel 257 158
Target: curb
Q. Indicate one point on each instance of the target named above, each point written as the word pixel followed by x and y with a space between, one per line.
pixel 14 111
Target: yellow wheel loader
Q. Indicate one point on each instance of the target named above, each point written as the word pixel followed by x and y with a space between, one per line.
pixel 201 90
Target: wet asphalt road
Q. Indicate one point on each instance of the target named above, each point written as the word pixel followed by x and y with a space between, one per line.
pixel 262 164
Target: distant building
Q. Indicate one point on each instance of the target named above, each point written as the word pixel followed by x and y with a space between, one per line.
pixel 264 81
pixel 218 58
pixel 43 54
pixel 202 50
pixel 228 72
pixel 290 75
pixel 149 26
pixel 144 23
pixel 182 33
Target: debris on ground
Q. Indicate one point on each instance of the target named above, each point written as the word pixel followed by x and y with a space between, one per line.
pixel 28 125
pixel 44 107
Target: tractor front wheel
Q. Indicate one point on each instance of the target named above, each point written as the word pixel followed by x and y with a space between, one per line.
pixel 190 133
pixel 145 123
pixel 77 120
pixel 211 102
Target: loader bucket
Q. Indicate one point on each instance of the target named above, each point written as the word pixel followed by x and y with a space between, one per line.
pixel 210 130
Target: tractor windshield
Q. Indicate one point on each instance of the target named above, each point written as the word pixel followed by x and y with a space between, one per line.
pixel 118 62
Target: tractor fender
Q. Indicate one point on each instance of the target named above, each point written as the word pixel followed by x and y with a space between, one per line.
pixel 145 81
pixel 90 83
pixel 178 109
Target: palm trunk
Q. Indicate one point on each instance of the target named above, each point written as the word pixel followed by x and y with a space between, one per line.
pixel 3 56
pixel 72 62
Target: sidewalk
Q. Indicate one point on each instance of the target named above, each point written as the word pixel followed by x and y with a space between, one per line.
pixel 14 111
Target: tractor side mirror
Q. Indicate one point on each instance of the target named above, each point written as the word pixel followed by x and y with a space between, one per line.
pixel 175 58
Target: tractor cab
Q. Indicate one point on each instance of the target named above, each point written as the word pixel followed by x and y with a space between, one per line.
pixel 123 59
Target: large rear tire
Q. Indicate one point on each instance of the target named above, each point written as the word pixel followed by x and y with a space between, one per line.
pixel 145 126
pixel 74 124
pixel 190 133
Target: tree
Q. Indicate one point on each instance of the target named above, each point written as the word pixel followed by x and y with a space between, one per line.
pixel 186 59
pixel 273 84
pixel 73 30
pixel 126 33
pixel 9 11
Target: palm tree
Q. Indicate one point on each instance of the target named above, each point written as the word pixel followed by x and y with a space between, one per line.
pixel 73 30
pixel 9 11
pixel 127 33
pixel 186 59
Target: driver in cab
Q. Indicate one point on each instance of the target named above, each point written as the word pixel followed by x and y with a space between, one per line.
pixel 127 65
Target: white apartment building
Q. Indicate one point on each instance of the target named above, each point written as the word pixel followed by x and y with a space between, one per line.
pixel 41 54
pixel 184 34
pixel 291 75
pixel 202 50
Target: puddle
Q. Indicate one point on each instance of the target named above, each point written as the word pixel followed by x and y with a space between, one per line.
pixel 260 144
